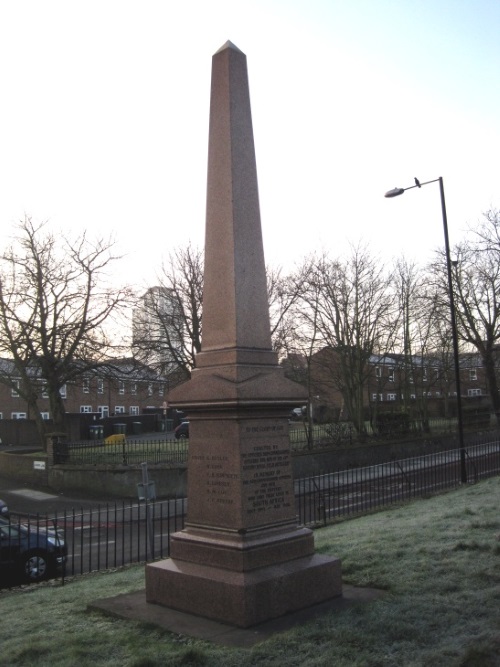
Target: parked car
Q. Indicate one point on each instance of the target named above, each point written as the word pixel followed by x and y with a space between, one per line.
pixel 31 551
pixel 182 431
pixel 298 413
pixel 4 510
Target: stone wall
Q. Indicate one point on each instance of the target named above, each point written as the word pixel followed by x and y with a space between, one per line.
pixel 29 469
pixel 117 482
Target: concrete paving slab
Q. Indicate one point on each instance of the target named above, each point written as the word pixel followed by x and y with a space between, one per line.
pixel 33 494
pixel 133 606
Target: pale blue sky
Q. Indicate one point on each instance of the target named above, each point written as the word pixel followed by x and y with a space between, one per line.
pixel 104 119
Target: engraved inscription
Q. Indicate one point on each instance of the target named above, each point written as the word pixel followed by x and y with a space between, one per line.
pixel 219 482
pixel 266 477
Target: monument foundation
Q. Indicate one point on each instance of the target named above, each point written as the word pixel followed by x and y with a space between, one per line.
pixel 241 559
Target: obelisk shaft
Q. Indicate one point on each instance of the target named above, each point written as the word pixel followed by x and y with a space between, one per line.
pixel 235 303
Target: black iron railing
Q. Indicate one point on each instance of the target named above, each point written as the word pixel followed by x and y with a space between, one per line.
pixel 117 534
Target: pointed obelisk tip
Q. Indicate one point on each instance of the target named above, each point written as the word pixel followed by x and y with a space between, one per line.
pixel 228 45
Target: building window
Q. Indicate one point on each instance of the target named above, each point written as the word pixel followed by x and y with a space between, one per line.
pixel 150 389
pixel 133 388
pixel 161 389
pixel 121 387
pixel 62 391
pixel 391 374
pixel 473 392
pixel 1 415
pixel 374 397
pixel 473 374
pixel 85 408
pixel 100 386
pixel 14 391
pixel 45 391
pixel 119 409
pixel 45 416
pixel 86 385
pixel 134 410
pixel 378 372
pixel 103 410
pixel 18 415
pixel 391 397
pixel 424 375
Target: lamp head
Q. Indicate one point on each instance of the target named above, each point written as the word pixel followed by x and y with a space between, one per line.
pixel 395 192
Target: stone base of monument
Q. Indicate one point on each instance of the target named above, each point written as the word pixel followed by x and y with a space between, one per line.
pixel 244 597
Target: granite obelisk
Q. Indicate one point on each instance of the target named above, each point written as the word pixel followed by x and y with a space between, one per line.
pixel 241 558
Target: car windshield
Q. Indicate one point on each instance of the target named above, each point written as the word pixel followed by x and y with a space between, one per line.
pixel 8 531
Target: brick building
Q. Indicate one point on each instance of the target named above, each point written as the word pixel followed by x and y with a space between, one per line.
pixel 124 387
pixel 418 385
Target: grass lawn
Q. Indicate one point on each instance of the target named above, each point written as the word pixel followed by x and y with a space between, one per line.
pixel 438 560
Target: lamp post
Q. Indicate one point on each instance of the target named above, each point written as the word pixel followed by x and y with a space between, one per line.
pixel 395 193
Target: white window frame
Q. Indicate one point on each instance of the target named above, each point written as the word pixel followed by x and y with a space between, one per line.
pixel 103 410
pixel 18 415
pixel 45 416
pixel 63 391
pixel 150 389
pixel 14 391
pixel 133 388
pixel 391 375
pixel 134 410
pixel 474 392
pixel 86 386
pixel 121 387
pixel 119 409
pixel 391 397
pixel 473 374
pixel 100 386
pixel 85 409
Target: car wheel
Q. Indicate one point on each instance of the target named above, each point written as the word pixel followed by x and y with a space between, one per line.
pixel 35 566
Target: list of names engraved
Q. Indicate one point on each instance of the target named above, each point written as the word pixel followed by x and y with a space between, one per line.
pixel 219 481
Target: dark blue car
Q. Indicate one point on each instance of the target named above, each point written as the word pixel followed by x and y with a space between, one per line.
pixel 182 431
pixel 4 510
pixel 30 551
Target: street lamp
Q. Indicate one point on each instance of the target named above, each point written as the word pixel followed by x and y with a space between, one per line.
pixel 395 193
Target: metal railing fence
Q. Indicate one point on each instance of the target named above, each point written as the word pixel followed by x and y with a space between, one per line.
pixel 325 497
pixel 117 534
pixel 133 451
pixel 124 452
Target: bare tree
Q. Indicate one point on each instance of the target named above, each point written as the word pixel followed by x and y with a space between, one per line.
pixel 300 338
pixel 53 309
pixel 283 294
pixel 352 308
pixel 477 289
pixel 168 320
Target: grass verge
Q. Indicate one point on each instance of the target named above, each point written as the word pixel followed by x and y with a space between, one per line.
pixel 438 560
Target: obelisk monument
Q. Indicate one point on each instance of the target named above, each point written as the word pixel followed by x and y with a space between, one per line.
pixel 241 558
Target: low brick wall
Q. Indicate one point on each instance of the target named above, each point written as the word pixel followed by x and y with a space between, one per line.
pixel 343 458
pixel 28 469
pixel 118 482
